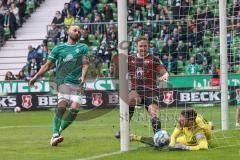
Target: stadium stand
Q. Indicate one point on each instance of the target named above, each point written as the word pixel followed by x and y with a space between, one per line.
pixel 183 33
pixel 174 35
pixel 14 52
pixel 12 16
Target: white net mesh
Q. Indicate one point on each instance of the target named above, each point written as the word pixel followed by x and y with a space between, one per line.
pixel 184 34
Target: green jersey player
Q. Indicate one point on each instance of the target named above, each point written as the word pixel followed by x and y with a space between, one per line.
pixel 71 68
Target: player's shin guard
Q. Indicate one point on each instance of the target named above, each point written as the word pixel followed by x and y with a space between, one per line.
pixel 156 124
pixel 57 120
pixel 70 117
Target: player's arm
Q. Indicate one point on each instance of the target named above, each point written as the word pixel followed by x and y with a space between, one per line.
pixel 161 70
pixel 85 62
pixel 44 68
pixel 164 76
pixel 177 131
pixel 205 126
pixel 202 144
pixel 84 73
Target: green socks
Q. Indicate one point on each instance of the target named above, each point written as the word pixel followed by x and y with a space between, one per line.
pixel 57 120
pixel 70 117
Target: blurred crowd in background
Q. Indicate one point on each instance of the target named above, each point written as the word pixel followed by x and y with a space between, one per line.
pixel 184 34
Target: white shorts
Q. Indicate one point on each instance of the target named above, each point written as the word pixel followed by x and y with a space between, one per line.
pixel 68 92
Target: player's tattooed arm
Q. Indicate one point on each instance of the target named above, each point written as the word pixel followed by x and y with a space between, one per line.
pixel 161 70
pixel 84 69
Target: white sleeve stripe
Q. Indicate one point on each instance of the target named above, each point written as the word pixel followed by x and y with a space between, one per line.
pixel 52 57
pixel 200 136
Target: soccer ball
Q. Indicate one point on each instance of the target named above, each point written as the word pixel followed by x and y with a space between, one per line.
pixel 161 138
pixel 17 109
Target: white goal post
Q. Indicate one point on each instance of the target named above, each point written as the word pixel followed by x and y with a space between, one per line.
pixel 223 64
pixel 123 70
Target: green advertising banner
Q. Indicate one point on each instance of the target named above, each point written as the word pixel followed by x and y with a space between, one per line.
pixel 103 84
pixel 193 81
pixel 23 87
pixel 187 81
pixel 200 81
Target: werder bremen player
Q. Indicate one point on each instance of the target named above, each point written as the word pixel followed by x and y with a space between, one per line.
pixel 71 69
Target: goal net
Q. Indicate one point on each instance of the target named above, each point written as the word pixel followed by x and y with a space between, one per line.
pixel 184 35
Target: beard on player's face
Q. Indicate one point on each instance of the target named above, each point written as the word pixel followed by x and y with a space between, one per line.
pixel 74 36
pixel 74 33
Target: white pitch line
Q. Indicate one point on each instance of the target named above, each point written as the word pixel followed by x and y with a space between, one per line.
pixel 101 155
pixel 41 126
pixel 37 126
pixel 105 155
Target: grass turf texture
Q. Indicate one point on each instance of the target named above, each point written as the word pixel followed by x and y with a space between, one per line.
pixel 26 135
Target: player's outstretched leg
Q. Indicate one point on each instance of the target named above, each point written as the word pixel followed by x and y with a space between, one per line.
pixel 72 113
pixel 131 112
pixel 56 138
pixel 70 117
pixel 156 123
pixel 57 120
pixel 142 139
pixel 133 100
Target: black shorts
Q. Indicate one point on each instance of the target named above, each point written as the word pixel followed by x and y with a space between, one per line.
pixel 147 101
pixel 148 97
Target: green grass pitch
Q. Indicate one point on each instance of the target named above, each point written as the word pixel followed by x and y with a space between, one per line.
pixel 26 135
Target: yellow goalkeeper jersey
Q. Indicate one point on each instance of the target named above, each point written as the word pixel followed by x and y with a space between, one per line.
pixel 201 128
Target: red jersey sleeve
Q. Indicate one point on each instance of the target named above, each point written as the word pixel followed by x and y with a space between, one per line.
pixel 159 65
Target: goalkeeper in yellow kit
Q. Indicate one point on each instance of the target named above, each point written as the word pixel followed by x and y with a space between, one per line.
pixel 192 132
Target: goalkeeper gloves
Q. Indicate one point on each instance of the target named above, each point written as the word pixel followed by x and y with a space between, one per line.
pixel 179 146
pixel 134 137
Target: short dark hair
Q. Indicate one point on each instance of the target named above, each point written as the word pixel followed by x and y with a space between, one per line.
pixel 189 114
